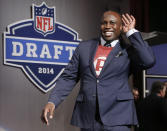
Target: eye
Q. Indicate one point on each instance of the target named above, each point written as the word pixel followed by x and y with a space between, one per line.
pixel 112 22
pixel 103 23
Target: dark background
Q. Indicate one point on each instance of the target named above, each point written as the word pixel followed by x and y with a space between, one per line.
pixel 150 15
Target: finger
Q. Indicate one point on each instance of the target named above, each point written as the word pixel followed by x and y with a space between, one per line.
pixel 125 20
pixel 129 18
pixel 45 117
pixel 133 18
pixel 124 23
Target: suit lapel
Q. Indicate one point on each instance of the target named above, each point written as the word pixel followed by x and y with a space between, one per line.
pixel 92 52
pixel 114 53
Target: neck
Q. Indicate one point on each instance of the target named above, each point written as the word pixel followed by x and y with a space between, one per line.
pixel 104 41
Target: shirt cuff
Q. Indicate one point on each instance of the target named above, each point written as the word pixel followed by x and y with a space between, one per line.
pixel 130 32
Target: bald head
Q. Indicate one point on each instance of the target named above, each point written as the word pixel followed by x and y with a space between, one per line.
pixel 111 25
pixel 106 13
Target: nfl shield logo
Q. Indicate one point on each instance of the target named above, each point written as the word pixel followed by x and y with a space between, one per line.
pixel 40 46
pixel 44 19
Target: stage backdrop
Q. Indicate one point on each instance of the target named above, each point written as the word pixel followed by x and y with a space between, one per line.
pixel 21 102
pixel 159 71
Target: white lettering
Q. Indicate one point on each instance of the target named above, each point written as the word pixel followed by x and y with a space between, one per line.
pixel 31 50
pixel 70 49
pixel 57 51
pixel 45 70
pixel 45 51
pixel 17 49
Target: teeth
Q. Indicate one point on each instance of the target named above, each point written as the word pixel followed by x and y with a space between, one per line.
pixel 108 33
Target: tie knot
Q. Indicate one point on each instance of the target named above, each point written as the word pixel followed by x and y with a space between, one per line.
pixel 107 44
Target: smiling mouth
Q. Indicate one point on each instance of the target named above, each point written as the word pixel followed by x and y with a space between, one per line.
pixel 108 33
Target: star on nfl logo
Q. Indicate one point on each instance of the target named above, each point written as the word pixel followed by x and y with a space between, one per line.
pixel 40 46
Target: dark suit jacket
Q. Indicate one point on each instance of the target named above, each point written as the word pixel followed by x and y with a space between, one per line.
pixel 153 113
pixel 116 104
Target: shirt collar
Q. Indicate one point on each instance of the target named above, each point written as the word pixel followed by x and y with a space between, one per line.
pixel 113 43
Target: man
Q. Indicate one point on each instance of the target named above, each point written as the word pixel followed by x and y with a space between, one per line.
pixel 153 109
pixel 136 95
pixel 105 101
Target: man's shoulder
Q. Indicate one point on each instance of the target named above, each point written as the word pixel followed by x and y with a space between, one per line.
pixel 152 99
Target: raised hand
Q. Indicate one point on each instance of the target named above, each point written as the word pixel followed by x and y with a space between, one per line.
pixel 129 22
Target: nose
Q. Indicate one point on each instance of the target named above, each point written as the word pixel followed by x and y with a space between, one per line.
pixel 108 25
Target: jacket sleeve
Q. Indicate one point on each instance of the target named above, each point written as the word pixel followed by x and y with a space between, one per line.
pixel 140 52
pixel 67 81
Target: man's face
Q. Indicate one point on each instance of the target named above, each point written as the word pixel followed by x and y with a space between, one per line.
pixel 135 94
pixel 111 26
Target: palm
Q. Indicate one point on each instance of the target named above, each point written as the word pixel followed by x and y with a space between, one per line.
pixel 129 22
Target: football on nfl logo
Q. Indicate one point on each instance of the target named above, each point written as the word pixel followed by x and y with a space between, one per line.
pixel 40 46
